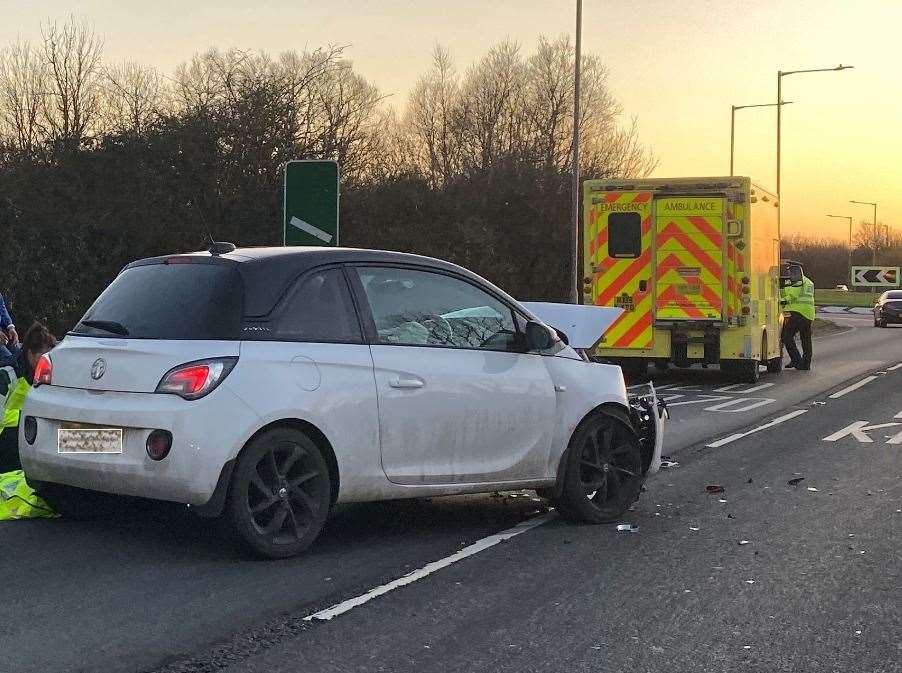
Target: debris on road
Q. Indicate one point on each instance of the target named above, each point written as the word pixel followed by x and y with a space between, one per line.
pixel 750 481
pixel 743 542
pixel 693 528
pixel 666 464
pixel 627 528
pixel 721 500
pixel 750 581
pixel 795 481
pixel 714 489
pixel 813 489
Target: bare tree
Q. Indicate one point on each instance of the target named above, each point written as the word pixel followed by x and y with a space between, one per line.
pixel 71 53
pixel 433 115
pixel 22 81
pixel 133 96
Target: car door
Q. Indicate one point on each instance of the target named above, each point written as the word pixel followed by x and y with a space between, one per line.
pixel 459 400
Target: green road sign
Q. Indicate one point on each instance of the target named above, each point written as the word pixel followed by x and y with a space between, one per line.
pixel 310 211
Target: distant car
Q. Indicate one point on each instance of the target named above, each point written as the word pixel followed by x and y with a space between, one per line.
pixel 265 385
pixel 888 308
pixel 842 288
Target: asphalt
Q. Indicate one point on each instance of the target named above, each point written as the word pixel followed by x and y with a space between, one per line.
pixel 160 591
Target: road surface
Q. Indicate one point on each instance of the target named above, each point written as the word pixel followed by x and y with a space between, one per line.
pixel 818 586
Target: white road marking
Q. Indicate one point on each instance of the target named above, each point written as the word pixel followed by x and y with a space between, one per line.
pixel 899 415
pixel 429 568
pixel 894 367
pixel 895 439
pixel 855 386
pixel 702 398
pixel 770 424
pixel 316 232
pixel 749 403
pixel 858 430
pixel 735 388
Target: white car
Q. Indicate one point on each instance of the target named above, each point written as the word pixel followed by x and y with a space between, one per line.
pixel 265 385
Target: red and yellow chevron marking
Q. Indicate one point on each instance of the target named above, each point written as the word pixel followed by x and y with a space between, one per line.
pixel 615 281
pixel 689 269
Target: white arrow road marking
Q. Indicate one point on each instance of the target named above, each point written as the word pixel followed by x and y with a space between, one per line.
pixel 858 430
pixel 855 386
pixel 899 415
pixel 298 223
pixel 770 424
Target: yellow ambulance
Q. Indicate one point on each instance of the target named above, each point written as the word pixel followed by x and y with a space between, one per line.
pixel 694 263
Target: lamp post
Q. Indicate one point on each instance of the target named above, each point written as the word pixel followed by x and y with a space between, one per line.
pixel 847 217
pixel 874 246
pixel 574 227
pixel 733 123
pixel 780 75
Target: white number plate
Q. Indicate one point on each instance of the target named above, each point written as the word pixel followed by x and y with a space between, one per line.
pixel 89 440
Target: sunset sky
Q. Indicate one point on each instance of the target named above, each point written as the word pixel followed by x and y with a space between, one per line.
pixel 676 66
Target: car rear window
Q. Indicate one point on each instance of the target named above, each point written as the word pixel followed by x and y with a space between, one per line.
pixel 169 301
pixel 624 235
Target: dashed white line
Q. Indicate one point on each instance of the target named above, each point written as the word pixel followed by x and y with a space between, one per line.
pixel 429 568
pixel 855 386
pixel 770 424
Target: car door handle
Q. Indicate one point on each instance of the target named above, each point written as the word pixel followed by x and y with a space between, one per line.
pixel 407 383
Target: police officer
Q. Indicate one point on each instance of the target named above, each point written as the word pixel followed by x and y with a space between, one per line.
pixel 797 300
pixel 16 377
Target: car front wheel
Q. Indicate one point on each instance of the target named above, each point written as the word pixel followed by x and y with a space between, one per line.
pixel 603 471
pixel 280 494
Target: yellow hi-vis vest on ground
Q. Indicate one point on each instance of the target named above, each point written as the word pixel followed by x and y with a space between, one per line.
pixel 19 501
pixel 800 298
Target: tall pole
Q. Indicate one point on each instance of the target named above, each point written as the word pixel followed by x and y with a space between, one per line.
pixel 732 135
pixel 574 233
pixel 780 75
pixel 779 123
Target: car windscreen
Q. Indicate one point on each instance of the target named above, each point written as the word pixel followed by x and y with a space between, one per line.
pixel 168 301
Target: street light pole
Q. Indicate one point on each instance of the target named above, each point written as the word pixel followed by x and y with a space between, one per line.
pixel 574 228
pixel 847 217
pixel 733 124
pixel 780 75
pixel 874 246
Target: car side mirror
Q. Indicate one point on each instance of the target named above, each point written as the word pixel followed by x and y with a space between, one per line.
pixel 538 336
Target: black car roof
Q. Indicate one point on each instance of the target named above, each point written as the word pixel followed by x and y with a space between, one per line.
pixel 267 272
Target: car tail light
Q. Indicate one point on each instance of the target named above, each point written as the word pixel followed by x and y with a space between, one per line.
pixel 43 371
pixel 193 380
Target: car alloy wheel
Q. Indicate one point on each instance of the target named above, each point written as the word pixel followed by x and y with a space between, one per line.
pixel 281 493
pixel 607 464
pixel 603 470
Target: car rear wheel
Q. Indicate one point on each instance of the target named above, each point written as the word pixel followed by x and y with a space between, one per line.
pixel 603 471
pixel 280 494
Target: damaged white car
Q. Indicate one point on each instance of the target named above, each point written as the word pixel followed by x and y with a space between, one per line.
pixel 265 385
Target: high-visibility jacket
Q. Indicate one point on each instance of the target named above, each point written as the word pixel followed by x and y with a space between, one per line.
pixel 14 399
pixel 19 501
pixel 799 298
